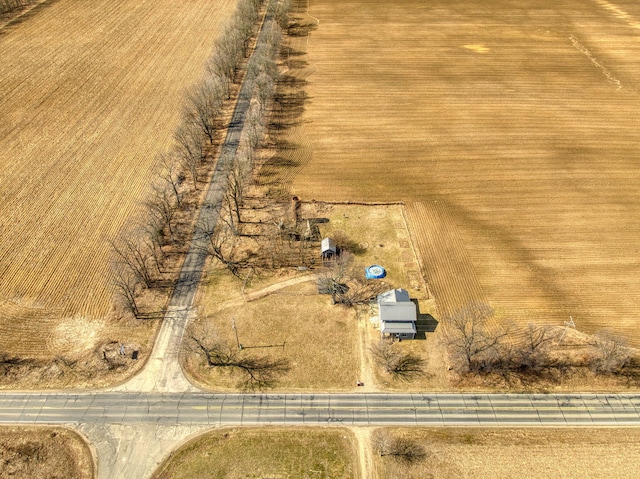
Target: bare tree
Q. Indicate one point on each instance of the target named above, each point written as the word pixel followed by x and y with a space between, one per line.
pixel 401 448
pixel 282 14
pixel 230 50
pixel 258 372
pixel 610 353
pixel 234 196
pixel 359 291
pixel 131 254
pixel 402 365
pixel 127 285
pixel 220 244
pixel 216 68
pixel 254 125
pixel 347 285
pixel 263 63
pixel 469 339
pixel 161 207
pixel 190 149
pixel 204 105
pixel 153 239
pixel 244 21
pixel 264 89
pixel 532 353
pixel 170 173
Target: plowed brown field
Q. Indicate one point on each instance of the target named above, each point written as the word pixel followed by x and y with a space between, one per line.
pixel 90 92
pixel 510 128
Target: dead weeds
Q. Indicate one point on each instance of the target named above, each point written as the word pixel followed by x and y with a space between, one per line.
pixel 51 452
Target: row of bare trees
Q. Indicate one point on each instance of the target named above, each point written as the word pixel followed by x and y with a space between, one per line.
pixel 223 236
pixel 524 355
pixel 140 253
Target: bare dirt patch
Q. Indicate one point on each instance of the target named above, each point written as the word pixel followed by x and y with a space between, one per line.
pixel 51 452
pixel 46 352
pixel 276 452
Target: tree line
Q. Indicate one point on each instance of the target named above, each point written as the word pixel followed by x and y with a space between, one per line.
pixel 144 255
pixel 526 355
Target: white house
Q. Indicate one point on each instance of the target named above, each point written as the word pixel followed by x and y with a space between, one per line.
pixel 397 314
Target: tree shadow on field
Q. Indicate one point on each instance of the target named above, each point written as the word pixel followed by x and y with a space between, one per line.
pixel 293 59
pixel 270 172
pixel 288 105
pixel 301 27
pixel 282 143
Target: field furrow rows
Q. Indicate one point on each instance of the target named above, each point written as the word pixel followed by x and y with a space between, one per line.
pixel 448 270
pixel 91 93
pixel 520 119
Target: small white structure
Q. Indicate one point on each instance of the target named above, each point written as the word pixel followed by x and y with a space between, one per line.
pixel 328 249
pixel 397 314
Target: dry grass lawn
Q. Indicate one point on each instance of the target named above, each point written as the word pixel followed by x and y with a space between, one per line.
pixel 523 453
pixel 383 237
pixel 294 453
pixel 91 92
pixel 327 345
pixel 51 452
pixel 380 236
pixel 295 324
pixel 510 130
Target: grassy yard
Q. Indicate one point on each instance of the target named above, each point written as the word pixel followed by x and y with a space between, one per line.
pixel 326 345
pixel 295 324
pixel 259 453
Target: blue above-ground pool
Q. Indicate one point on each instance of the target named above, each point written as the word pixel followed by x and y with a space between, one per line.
pixel 375 271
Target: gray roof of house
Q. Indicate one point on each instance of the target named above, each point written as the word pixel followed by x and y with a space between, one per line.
pixel 395 305
pixel 394 296
pixel 398 327
pixel 397 311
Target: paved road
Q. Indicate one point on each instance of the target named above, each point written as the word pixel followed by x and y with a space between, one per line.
pixel 323 409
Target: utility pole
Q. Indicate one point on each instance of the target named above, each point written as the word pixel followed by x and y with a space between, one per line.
pixel 235 330
pixel 567 324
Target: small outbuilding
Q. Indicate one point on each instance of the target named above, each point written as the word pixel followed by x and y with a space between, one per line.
pixel 398 314
pixel 328 249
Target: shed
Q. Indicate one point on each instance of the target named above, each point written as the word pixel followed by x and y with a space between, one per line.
pixel 398 314
pixel 328 249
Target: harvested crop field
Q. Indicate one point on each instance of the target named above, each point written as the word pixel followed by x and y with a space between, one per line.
pixel 91 92
pixel 523 453
pixel 508 127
